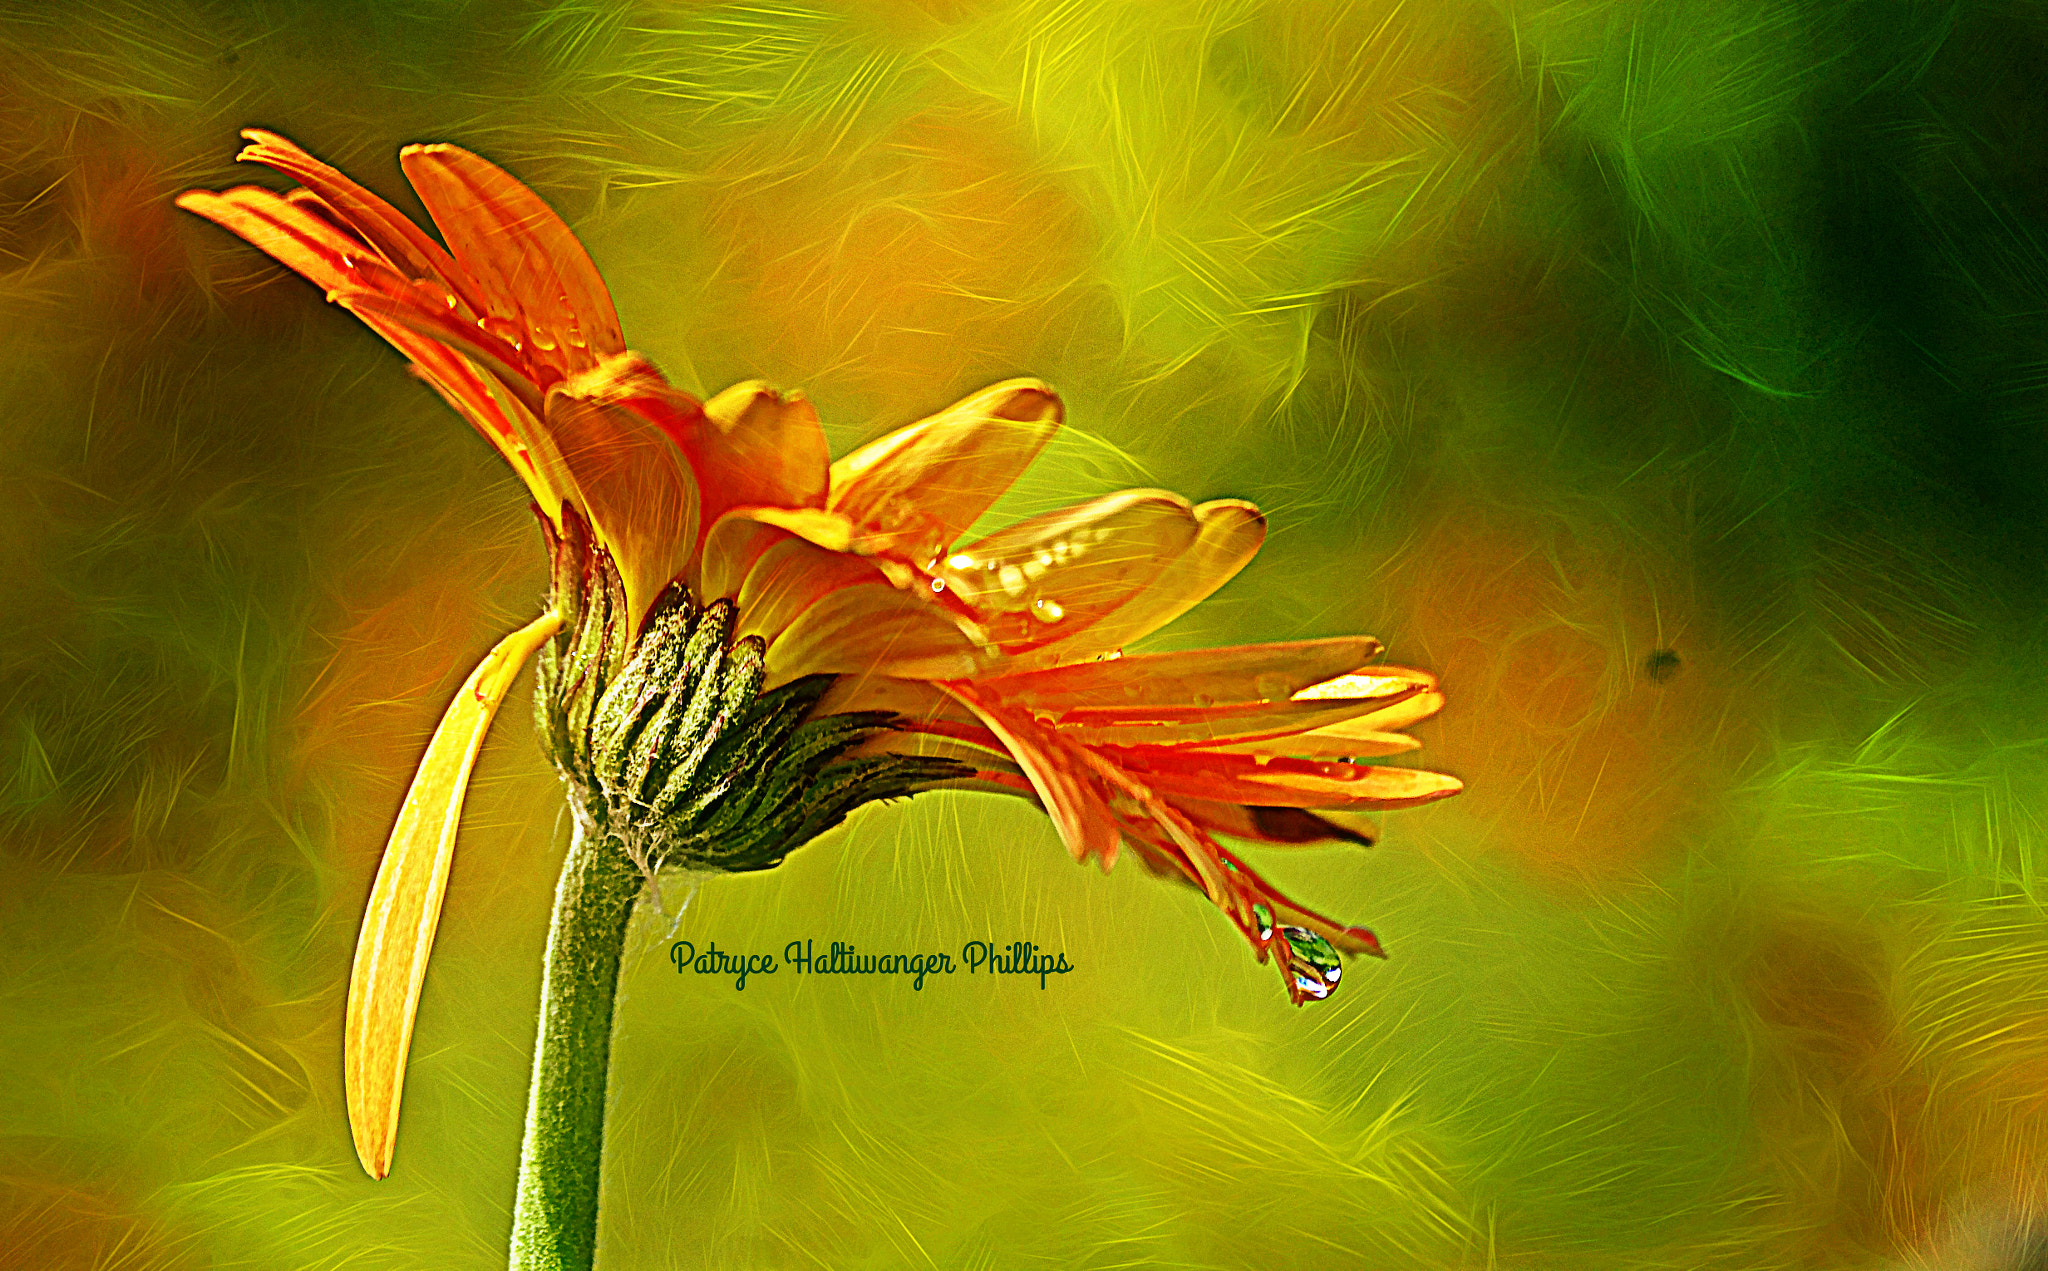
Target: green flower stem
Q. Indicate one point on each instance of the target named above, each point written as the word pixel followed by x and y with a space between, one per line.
pixel 554 1218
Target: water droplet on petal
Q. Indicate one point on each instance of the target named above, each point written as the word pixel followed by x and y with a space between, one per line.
pixel 1205 699
pixel 960 560
pixel 543 339
pixel 1047 610
pixel 1317 967
pixel 938 584
pixel 1273 688
pixel 1264 916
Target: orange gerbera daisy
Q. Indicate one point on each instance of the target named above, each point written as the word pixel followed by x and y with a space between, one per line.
pixel 745 640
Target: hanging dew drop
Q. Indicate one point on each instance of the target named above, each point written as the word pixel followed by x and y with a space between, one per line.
pixel 1047 610
pixel 1317 967
pixel 1314 988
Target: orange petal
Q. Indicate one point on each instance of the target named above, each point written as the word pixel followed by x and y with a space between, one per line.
pixel 1239 673
pixel 1054 574
pixel 731 549
pixel 403 244
pixel 1071 796
pixel 633 483
pixel 820 610
pixel 1281 781
pixel 1345 740
pixel 409 316
pixel 405 901
pixel 789 576
pixel 756 446
pixel 917 490
pixel 1229 535
pixel 527 265
pixel 873 628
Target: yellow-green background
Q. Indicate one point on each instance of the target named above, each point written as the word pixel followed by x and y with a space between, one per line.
pixel 1548 335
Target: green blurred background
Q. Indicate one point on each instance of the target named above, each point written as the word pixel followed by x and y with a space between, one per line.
pixel 1549 336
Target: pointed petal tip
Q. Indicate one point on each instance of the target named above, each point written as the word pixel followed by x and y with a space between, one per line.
pixel 377 1166
pixel 1367 942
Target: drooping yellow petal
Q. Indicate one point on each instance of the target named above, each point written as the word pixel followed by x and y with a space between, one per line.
pixel 405 901
pixel 914 492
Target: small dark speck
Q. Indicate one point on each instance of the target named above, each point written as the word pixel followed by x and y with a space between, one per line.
pixel 1661 665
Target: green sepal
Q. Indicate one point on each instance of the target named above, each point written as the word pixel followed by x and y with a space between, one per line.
pixel 672 746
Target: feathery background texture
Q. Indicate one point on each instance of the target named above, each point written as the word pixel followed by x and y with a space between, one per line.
pixel 1551 336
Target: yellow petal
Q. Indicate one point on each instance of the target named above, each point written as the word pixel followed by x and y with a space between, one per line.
pixel 917 490
pixel 1034 583
pixel 731 550
pixel 1204 774
pixel 789 577
pixel 1207 728
pixel 1380 681
pixel 1401 713
pixel 405 901
pixel 820 610
pixel 1230 533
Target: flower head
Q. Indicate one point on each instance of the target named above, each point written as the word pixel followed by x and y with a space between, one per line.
pixel 745 640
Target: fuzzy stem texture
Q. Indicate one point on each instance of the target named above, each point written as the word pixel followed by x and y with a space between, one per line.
pixel 554 1217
